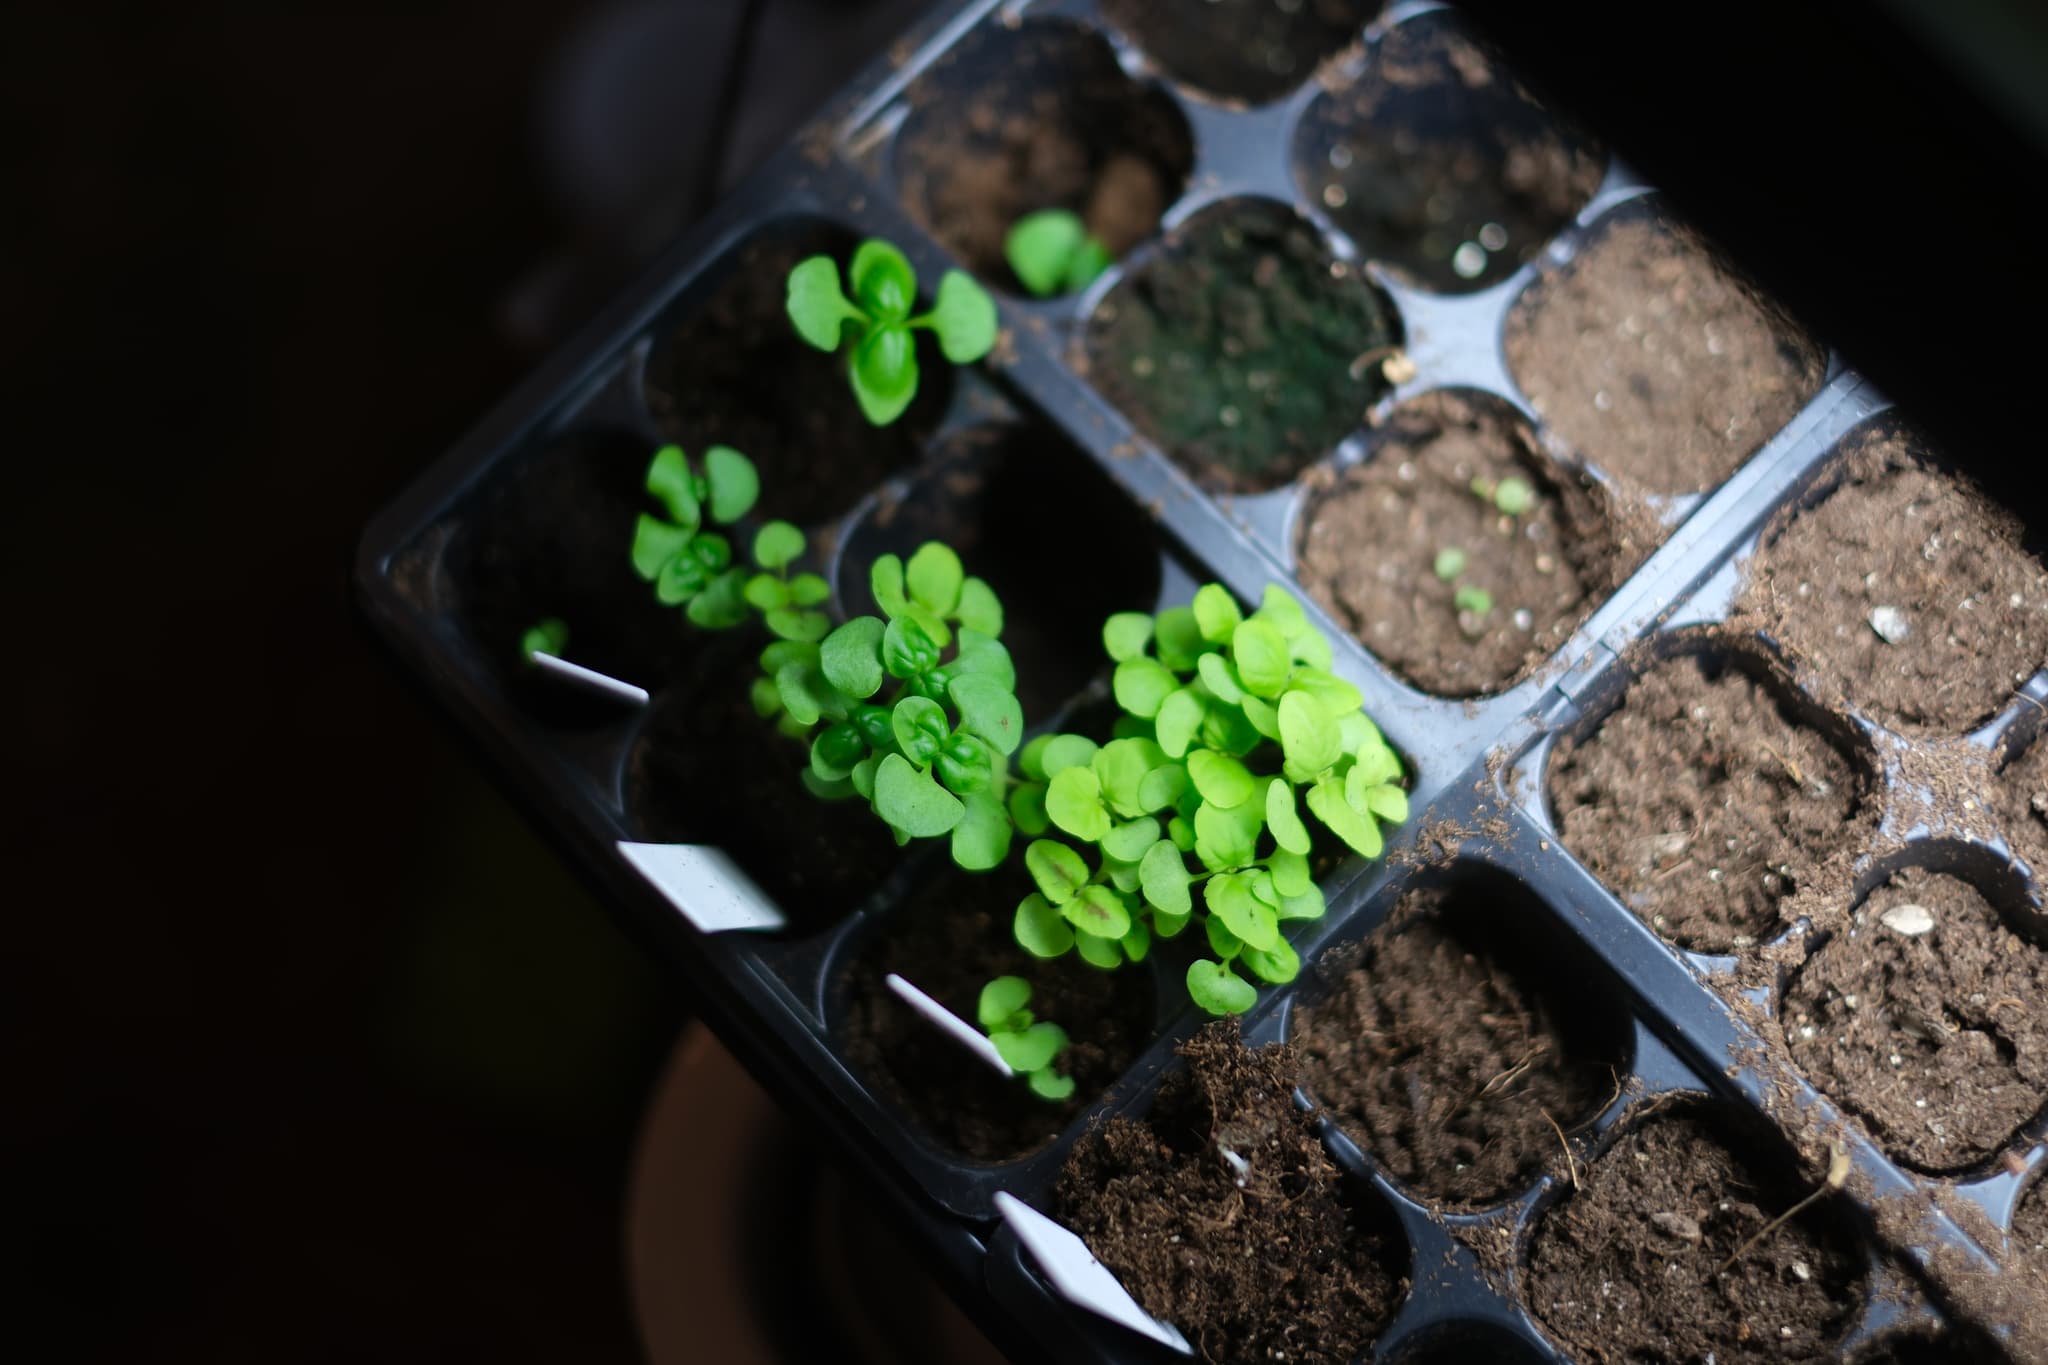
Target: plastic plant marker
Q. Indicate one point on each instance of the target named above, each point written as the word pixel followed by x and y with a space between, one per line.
pixel 1071 1268
pixel 705 885
pixel 589 678
pixel 949 1023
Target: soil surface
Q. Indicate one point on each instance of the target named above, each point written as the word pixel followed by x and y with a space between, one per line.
pixel 1922 555
pixel 1371 535
pixel 734 372
pixel 1245 350
pixel 1249 50
pixel 2030 1225
pixel 2023 802
pixel 1955 1346
pixel 1650 358
pixel 1439 1060
pixel 1041 117
pixel 1274 1263
pixel 949 939
pixel 1703 805
pixel 705 769
pixel 1624 1270
pixel 1938 1039
pixel 1440 164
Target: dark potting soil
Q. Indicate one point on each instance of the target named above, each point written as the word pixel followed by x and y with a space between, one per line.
pixel 1010 122
pixel 734 372
pixel 705 769
pixel 1703 804
pixel 1922 555
pixel 1937 1036
pixel 2030 1227
pixel 1953 1346
pixel 2023 805
pixel 1250 50
pixel 1244 349
pixel 951 938
pixel 1438 163
pixel 1442 1062
pixel 1371 535
pixel 1625 1268
pixel 1272 1264
pixel 1649 358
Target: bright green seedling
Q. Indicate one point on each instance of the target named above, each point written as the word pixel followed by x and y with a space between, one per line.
pixel 1194 810
pixel 691 567
pixel 1053 252
pixel 1511 495
pixel 1028 1045
pixel 548 636
pixel 1450 562
pixel 875 325
pixel 1478 601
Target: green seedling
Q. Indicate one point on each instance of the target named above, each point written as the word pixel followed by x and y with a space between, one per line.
pixel 548 636
pixel 1475 600
pixel 1450 562
pixel 1511 495
pixel 691 567
pixel 1232 724
pixel 1053 252
pixel 875 326
pixel 1028 1045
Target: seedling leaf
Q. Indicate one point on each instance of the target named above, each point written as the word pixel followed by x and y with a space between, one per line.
pixel 1261 656
pixel 1164 875
pixel 1142 685
pixel 1284 820
pixel 1217 989
pixel 1000 1000
pixel 934 576
pixel 1308 734
pixel 734 483
pixel 989 710
pixel 817 305
pixel 964 316
pixel 1100 912
pixel 549 636
pixel 979 609
pixel 778 545
pixel 1057 869
pixel 883 370
pixel 670 481
pixel 1074 802
pixel 1040 929
pixel 1032 1050
pixel 1041 246
pixel 1126 634
pixel 910 800
pixel 883 281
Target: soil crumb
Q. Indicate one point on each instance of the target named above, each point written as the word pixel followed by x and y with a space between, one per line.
pixel 1928 1017
pixel 1260 1258
pixel 1625 1269
pixel 1704 805
pixel 1651 359
pixel 1251 50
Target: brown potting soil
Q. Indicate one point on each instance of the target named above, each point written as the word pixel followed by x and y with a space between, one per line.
pixel 1274 1263
pixel 1370 538
pixel 1437 162
pixel 949 939
pixel 1243 349
pixel 1443 1063
pixel 1938 1039
pixel 1250 50
pixel 1626 1268
pixel 1953 1346
pixel 1926 557
pixel 1649 358
pixel 1703 805
pixel 2022 798
pixel 1042 117
pixel 734 372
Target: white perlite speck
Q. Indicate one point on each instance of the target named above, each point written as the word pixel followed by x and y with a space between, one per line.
pixel 1890 624
pixel 1910 920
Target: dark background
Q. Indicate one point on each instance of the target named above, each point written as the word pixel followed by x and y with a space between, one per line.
pixel 312 1051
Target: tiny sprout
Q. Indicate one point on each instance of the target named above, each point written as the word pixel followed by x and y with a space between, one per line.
pixel 549 636
pixel 1029 1047
pixel 1475 600
pixel 1053 252
pixel 1511 495
pixel 1450 562
pixel 875 326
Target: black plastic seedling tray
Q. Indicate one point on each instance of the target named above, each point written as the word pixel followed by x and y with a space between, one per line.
pixel 1030 417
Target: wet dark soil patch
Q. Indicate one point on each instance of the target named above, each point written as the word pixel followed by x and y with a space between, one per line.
pixel 1650 358
pixel 1373 537
pixel 951 938
pixel 1440 164
pixel 1906 589
pixel 1250 50
pixel 1244 349
pixel 1703 803
pixel 1951 1346
pixel 1013 121
pixel 706 769
pixel 1928 1017
pixel 1273 1263
pixel 1626 1268
pixel 732 371
pixel 1441 1056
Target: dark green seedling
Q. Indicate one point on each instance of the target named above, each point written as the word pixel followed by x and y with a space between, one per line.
pixel 1052 252
pixel 548 636
pixel 689 566
pixel 876 327
pixel 1029 1046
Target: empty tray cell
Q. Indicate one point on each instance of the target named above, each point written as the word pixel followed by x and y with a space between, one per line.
pixel 1450 1046
pixel 1012 121
pixel 705 769
pixel 1413 551
pixel 1927 1015
pixel 721 368
pixel 1629 1265
pixel 1249 50
pixel 1960 1345
pixel 1027 512
pixel 1468 1343
pixel 950 939
pixel 1904 588
pixel 1648 356
pixel 548 535
pixel 1710 797
pixel 1221 1212
pixel 1244 348
pixel 1439 164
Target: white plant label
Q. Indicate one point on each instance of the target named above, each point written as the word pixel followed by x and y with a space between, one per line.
pixel 589 678
pixel 1071 1268
pixel 705 885
pixel 949 1023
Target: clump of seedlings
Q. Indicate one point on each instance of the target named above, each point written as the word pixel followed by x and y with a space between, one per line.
pixel 1053 252
pixel 1026 1043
